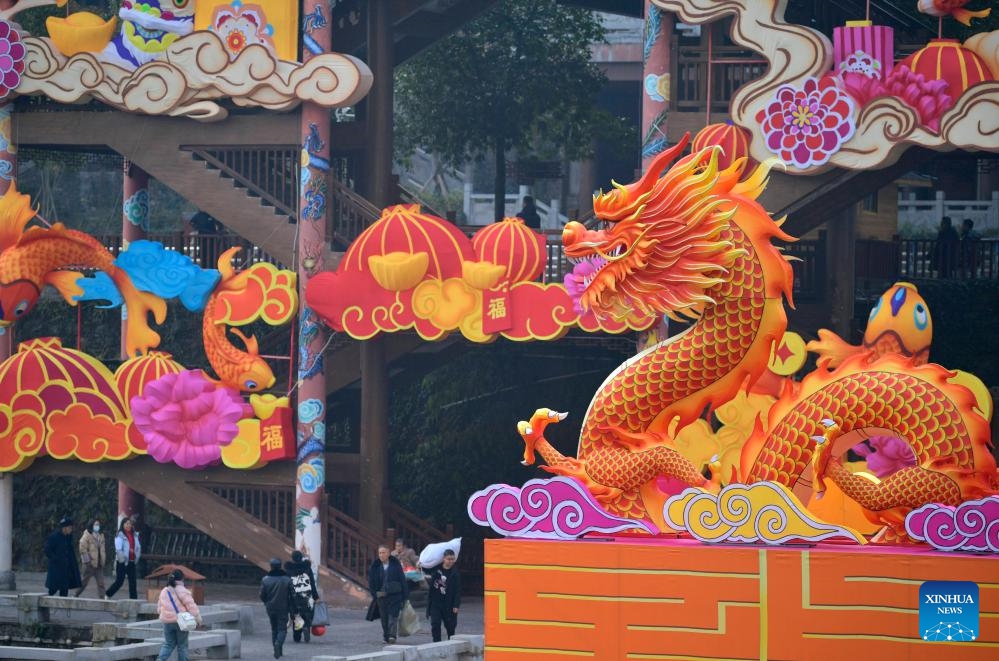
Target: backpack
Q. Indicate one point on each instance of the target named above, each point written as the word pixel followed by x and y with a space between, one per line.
pixel 302 587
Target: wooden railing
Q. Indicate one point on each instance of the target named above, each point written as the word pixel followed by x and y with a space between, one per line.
pixel 348 214
pixel 699 81
pixel 415 531
pixel 273 505
pixel 350 547
pixel 270 172
pixel 203 249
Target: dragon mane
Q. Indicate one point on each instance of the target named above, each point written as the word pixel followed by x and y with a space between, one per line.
pixel 665 246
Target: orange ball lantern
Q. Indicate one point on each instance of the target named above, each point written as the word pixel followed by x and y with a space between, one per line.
pixel 133 374
pixel 514 246
pixel 947 59
pixel 734 141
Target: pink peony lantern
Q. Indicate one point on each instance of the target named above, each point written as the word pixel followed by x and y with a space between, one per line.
pixel 187 419
pixel 863 48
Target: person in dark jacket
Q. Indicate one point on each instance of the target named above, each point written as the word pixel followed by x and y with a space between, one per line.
pixel 445 596
pixel 387 584
pixel 279 600
pixel 529 213
pixel 64 572
pixel 303 585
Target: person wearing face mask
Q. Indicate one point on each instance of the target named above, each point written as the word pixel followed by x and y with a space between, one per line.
pixel 93 557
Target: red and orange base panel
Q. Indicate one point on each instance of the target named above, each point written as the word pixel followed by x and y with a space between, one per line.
pixel 678 599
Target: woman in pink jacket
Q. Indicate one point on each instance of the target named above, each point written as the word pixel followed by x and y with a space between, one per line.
pixel 173 598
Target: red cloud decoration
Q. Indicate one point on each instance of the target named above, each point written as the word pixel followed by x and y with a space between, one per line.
pixel 414 271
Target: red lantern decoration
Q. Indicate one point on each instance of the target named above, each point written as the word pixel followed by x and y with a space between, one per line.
pixel 514 246
pixel 133 375
pixel 947 59
pixel 404 230
pixel 734 141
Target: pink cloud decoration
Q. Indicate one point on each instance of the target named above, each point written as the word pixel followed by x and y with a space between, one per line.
pixel 556 508
pixel 971 526
pixel 187 419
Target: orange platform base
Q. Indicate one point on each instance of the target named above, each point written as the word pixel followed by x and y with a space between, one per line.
pixel 678 599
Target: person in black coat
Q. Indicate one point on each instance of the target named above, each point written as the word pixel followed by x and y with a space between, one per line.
pixel 279 600
pixel 387 584
pixel 529 213
pixel 445 596
pixel 64 572
pixel 303 585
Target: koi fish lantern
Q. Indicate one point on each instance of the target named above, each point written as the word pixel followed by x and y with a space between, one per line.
pixel 31 259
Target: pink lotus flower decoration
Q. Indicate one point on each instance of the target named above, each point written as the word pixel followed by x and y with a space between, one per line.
pixel 806 126
pixel 187 419
pixel 11 59
pixel 928 98
pixel 886 454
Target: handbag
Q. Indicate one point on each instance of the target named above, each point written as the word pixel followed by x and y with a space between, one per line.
pixel 409 621
pixel 373 612
pixel 321 615
pixel 185 621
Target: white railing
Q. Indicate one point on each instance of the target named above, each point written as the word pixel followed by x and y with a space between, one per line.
pixel 478 209
pixel 923 216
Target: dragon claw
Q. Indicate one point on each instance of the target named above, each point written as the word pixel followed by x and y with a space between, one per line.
pixel 827 422
pixel 819 439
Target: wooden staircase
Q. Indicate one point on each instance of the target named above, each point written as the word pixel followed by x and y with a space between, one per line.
pixel 167 149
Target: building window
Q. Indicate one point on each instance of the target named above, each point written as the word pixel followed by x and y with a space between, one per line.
pixel 870 203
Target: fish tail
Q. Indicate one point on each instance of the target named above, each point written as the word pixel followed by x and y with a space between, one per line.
pixel 832 349
pixel 225 263
pixel 139 337
pixel 965 15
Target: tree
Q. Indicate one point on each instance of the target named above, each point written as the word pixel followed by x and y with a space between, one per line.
pixel 519 77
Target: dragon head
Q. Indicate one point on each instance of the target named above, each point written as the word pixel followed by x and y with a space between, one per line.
pixel 663 248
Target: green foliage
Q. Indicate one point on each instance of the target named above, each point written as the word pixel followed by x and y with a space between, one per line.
pixel 519 77
pixel 453 432
pixel 41 500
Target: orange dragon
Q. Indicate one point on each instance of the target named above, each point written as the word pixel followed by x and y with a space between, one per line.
pixel 694 242
pixel 242 370
pixel 39 256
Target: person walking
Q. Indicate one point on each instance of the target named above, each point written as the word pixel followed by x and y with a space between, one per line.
pixel 127 551
pixel 93 556
pixel 445 596
pixel 174 599
pixel 303 585
pixel 387 584
pixel 63 574
pixel 279 601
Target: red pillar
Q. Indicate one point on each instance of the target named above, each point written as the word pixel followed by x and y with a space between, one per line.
pixel 134 224
pixel 655 81
pixel 655 111
pixel 310 500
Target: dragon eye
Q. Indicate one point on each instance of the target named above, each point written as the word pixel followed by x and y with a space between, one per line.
pixel 21 308
pixel 920 316
pixel 250 384
pixel 180 4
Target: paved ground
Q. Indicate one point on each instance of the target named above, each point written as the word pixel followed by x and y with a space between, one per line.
pixel 349 633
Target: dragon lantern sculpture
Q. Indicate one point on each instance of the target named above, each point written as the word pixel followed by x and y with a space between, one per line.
pixel 695 243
